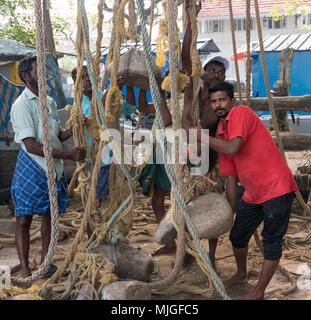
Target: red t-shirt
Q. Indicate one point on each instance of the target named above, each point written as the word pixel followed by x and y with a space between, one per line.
pixel 259 164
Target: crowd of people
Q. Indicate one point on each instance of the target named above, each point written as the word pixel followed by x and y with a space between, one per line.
pixel 241 149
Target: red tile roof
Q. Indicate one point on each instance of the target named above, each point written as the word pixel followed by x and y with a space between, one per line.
pixel 220 8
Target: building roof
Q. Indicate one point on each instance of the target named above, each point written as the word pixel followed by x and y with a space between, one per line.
pixel 219 9
pixel 204 47
pixel 299 42
pixel 13 51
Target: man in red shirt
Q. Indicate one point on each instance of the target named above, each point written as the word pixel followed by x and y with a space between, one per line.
pixel 248 153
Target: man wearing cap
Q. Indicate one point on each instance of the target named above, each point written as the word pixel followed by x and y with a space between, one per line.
pixel 215 66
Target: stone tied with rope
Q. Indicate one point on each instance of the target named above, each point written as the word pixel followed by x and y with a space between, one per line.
pixel 92 272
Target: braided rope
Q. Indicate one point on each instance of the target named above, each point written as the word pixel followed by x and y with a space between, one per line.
pixel 47 148
pixel 169 170
pixel 174 70
pixel 101 107
pixel 82 21
pixel 195 63
pixel 152 6
pixel 94 105
pixel 235 52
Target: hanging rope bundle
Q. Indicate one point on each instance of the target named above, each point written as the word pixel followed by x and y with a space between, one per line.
pixel 196 65
pixel 162 39
pixel 114 96
pixel 169 170
pixel 182 80
pixel 237 73
pixel 111 43
pixel 248 56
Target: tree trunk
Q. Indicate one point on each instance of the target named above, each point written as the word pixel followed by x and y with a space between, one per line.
pixel 48 32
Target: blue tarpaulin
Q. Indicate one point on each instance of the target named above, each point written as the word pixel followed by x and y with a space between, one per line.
pixel 300 75
pixel 14 51
pixel 9 93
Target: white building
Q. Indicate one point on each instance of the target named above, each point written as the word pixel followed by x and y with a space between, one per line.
pixel 214 23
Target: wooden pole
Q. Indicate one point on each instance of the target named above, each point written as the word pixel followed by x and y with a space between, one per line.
pixel 290 103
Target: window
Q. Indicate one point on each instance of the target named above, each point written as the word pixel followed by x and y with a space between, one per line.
pixel 240 24
pixel 302 20
pixel 270 23
pixel 211 26
pixel 216 25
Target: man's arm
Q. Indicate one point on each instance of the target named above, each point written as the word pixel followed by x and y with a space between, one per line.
pixel 232 190
pixel 229 147
pixel 185 51
pixel 65 135
pixel 130 95
pixel 186 119
pixel 144 106
pixel 34 147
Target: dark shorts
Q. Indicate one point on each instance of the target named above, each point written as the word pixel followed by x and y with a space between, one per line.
pixel 102 187
pixel 274 213
pixel 154 175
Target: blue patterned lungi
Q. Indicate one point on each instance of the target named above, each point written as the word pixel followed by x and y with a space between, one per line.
pixel 29 189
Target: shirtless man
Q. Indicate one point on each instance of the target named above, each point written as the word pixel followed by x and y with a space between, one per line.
pixel 215 67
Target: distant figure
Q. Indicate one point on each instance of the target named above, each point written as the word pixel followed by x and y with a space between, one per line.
pixel 29 189
pixel 102 188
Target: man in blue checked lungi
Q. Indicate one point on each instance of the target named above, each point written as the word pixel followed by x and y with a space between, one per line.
pixel 29 189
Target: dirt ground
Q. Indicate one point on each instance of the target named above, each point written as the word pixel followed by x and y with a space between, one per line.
pixel 296 256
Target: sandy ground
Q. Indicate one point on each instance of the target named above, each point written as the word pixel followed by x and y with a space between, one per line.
pixel 296 256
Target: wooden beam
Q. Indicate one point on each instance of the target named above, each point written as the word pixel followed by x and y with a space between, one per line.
pixel 290 103
pixel 294 141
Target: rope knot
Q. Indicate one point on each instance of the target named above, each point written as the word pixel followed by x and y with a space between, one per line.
pixel 182 82
pixel 113 103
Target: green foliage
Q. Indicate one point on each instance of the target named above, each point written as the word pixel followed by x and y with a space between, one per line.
pixel 290 8
pixel 19 22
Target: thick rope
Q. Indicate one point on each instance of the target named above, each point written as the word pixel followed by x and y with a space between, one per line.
pixel 196 64
pixel 152 6
pixel 235 51
pixel 176 125
pixel 116 5
pixel 169 170
pixel 100 14
pixel 79 236
pixel 117 193
pixel 248 57
pixel 47 148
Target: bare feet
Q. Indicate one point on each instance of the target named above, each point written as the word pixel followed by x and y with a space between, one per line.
pixel 168 248
pixel 235 279
pixel 25 272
